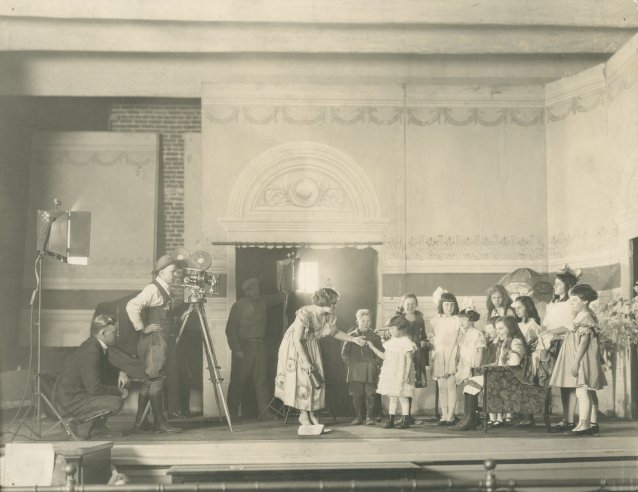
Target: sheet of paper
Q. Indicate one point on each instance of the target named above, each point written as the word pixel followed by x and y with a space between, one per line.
pixel 28 464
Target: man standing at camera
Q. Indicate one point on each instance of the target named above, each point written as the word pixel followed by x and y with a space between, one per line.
pixel 152 315
pixel 245 331
pixel 85 388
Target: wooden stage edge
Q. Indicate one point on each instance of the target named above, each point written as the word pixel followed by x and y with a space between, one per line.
pixel 425 451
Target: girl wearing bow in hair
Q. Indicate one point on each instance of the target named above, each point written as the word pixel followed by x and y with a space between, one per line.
pixel 445 327
pixel 416 332
pixel 558 321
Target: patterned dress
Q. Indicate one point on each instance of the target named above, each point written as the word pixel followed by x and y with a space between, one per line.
pixel 292 384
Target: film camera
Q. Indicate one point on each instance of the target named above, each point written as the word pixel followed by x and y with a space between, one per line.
pixel 198 282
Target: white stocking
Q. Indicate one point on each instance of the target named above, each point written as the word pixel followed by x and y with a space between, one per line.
pixel 443 397
pixel 392 405
pixel 584 408
pixel 405 406
pixel 451 398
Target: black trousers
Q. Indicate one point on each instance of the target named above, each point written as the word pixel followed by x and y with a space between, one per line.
pixel 90 406
pixel 179 379
pixel 252 366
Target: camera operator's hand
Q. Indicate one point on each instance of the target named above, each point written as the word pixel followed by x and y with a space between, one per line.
pixel 152 328
pixel 122 380
pixel 239 354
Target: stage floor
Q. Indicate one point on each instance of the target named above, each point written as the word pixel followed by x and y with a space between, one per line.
pixel 445 452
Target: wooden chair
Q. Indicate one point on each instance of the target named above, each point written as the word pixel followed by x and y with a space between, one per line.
pixel 503 392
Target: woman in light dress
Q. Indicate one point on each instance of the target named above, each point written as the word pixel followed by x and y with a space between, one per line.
pixel 299 381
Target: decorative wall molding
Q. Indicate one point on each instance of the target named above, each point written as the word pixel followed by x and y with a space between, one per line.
pixel 60 327
pixel 416 116
pixel 602 241
pixel 301 178
pixel 589 89
pixel 392 266
pixel 459 247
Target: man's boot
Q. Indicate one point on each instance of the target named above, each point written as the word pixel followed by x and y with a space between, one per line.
pixel 409 417
pixel 470 419
pixel 99 429
pixel 370 410
pixel 357 401
pixel 404 423
pixel 160 424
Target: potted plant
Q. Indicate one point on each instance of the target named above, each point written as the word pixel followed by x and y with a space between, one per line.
pixel 618 322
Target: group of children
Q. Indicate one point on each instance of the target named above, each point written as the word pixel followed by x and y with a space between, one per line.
pixel 566 346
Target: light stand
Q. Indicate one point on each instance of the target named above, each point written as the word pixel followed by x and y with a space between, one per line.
pixel 68 243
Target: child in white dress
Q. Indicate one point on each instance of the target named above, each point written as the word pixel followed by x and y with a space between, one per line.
pixel 445 328
pixel 396 379
pixel 471 344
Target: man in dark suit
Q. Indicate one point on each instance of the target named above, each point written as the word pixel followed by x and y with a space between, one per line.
pixel 85 388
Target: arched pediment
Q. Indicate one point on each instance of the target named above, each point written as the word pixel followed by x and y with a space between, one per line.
pixel 302 186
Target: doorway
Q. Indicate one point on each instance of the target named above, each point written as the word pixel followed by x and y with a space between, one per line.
pixel 350 271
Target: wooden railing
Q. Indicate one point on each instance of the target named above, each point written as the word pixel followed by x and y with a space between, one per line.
pixel 489 483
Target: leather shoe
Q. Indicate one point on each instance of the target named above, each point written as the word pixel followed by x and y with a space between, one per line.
pixel 164 428
pixel 71 428
pixel 591 431
pixel 562 426
pixel 101 430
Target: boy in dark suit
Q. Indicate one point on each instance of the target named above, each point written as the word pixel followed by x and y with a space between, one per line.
pixel 85 387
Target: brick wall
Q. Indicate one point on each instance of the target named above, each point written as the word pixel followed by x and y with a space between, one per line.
pixel 171 119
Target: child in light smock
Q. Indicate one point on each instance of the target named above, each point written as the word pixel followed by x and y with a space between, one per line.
pixel 396 380
pixel 471 342
pixel 445 329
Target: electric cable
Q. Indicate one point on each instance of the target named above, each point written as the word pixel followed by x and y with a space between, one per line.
pixel 29 384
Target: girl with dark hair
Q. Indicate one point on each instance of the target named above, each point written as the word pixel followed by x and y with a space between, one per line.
pixel 396 380
pixel 299 381
pixel 445 328
pixel 499 302
pixel 528 319
pixel 579 363
pixel 511 352
pixel 558 320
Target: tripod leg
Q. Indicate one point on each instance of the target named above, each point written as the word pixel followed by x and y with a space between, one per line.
pixel 213 368
pixel 181 330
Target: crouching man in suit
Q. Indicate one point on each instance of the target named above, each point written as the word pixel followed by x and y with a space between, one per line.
pixel 85 387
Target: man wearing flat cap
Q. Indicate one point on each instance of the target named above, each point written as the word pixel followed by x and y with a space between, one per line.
pixel 245 331
pixel 152 315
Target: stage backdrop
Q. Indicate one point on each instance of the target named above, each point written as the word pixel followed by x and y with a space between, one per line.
pixel 113 176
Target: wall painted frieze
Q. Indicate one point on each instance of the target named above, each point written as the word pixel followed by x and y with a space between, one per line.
pixel 459 247
pixel 383 116
pixel 579 241
pixel 421 116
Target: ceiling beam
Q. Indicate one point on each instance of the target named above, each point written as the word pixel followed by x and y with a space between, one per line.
pixel 20 34
pixel 582 13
